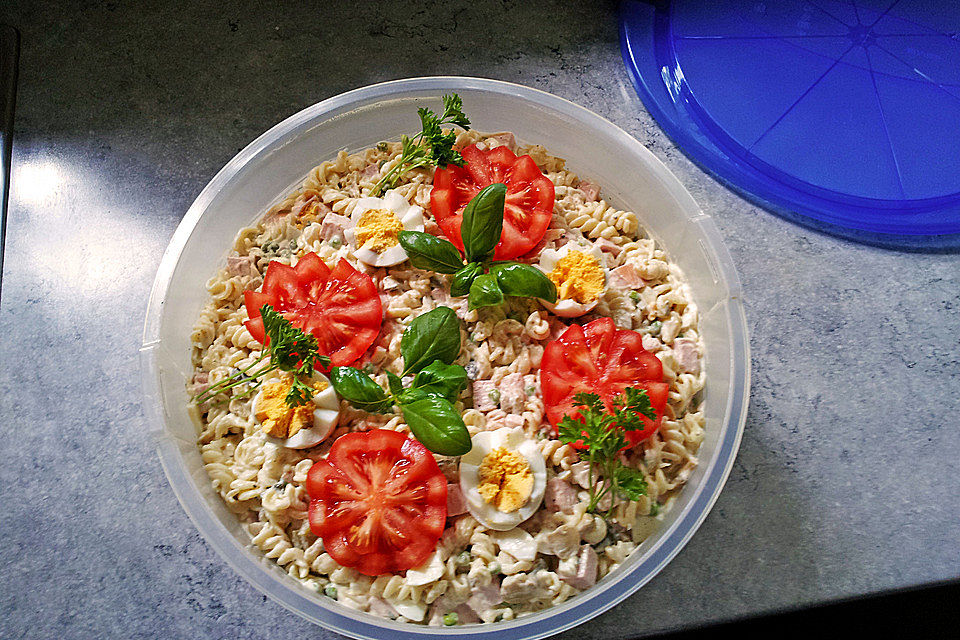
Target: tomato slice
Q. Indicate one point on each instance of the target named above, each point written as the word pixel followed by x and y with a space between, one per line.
pixel 340 307
pixel 379 501
pixel 599 358
pixel 529 203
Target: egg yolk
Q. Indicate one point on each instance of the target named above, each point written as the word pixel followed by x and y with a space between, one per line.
pixel 578 277
pixel 378 230
pixel 506 481
pixel 277 418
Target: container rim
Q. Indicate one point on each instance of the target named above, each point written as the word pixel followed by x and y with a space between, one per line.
pixel 274 582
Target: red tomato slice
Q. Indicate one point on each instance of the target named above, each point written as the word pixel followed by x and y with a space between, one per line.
pixel 379 501
pixel 340 307
pixel 599 358
pixel 529 202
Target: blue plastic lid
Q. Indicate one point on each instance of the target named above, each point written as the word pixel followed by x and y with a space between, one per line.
pixel 845 112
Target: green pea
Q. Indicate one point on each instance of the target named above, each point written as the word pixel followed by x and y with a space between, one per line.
pixel 381 146
pixel 450 619
pixel 463 558
pixel 655 327
pixel 330 591
pixel 494 568
pixel 494 396
pixel 531 390
pixel 635 296
pixel 335 242
pixel 654 509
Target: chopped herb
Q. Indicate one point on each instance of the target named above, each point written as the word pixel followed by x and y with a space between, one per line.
pixel 494 568
pixel 654 509
pixel 330 591
pixel 602 434
pixel 635 296
pixel 463 558
pixel 382 146
pixel 531 390
pixel 654 328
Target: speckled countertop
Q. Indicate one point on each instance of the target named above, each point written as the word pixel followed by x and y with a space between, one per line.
pixel 846 481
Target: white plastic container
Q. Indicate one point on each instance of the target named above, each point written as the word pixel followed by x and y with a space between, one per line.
pixel 273 164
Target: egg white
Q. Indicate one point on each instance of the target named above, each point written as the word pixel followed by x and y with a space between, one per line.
pixel 566 308
pixel 325 417
pixel 484 443
pixel 411 216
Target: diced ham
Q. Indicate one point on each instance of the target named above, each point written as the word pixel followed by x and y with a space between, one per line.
pixel 370 170
pixel 466 615
pixel 590 191
pixel 481 395
pixel 608 246
pixel 485 598
pixel 559 495
pixel 334 226
pixel 430 226
pixel 502 139
pixel 626 277
pixel 512 396
pixel 685 351
pixel 513 421
pixel 441 297
pixel 240 265
pixel 585 574
pixel 456 502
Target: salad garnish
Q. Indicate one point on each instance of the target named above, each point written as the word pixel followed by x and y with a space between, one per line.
pixel 601 436
pixel 484 281
pixel 429 346
pixel 289 349
pixel 431 146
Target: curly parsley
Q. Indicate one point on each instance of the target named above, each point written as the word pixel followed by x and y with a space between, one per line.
pixel 430 147
pixel 290 350
pixel 601 434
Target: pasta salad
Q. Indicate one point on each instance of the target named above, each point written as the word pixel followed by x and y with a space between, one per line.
pixel 445 382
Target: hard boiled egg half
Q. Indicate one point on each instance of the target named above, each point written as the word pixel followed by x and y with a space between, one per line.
pixel 298 427
pixel 578 273
pixel 376 226
pixel 503 478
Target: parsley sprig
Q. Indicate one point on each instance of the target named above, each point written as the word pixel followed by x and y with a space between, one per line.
pixel 289 349
pixel 601 434
pixel 431 146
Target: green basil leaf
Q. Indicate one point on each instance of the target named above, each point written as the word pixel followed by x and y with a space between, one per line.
pixel 485 292
pixel 360 390
pixel 437 424
pixel 518 279
pixel 396 385
pixel 462 279
pixel 483 222
pixel 441 380
pixel 434 335
pixel 430 252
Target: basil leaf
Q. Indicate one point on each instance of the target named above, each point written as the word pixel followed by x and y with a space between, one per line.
pixel 430 252
pixel 434 335
pixel 396 385
pixel 462 279
pixel 441 380
pixel 518 279
pixel 437 424
pixel 485 292
pixel 360 390
pixel 483 222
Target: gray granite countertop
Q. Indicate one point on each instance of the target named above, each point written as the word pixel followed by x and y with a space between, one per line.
pixel 846 481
